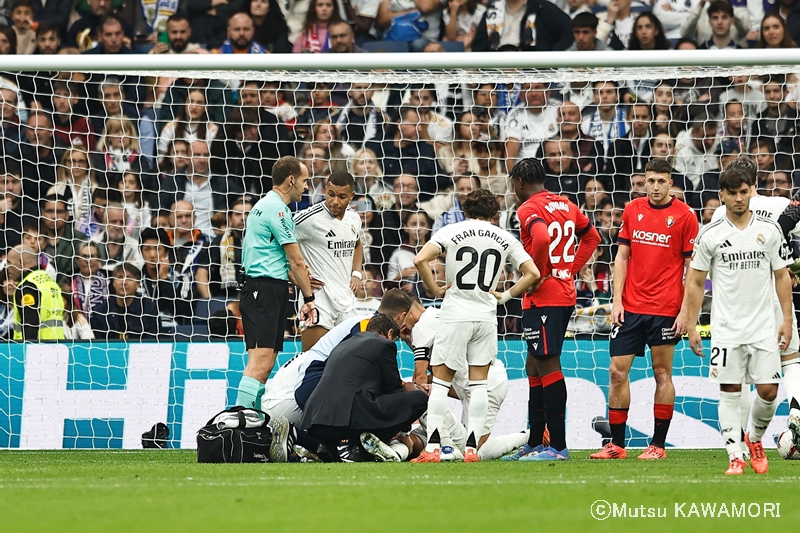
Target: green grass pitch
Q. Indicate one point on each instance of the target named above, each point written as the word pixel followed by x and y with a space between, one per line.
pixel 166 491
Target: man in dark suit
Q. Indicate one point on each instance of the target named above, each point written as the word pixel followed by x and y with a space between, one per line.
pixel 361 395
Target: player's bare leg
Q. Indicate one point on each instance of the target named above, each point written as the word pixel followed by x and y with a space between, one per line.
pixel 311 335
pixel 259 366
pixel 478 405
pixel 664 400
pixel 763 410
pixel 437 407
pixel 619 401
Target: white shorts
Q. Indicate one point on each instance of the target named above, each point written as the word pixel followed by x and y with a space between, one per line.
pixel 461 344
pixel 497 383
pixel 794 344
pixel 332 313
pixel 286 407
pixel 732 364
pixel 451 429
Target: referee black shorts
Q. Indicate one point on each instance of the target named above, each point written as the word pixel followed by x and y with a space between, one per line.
pixel 264 305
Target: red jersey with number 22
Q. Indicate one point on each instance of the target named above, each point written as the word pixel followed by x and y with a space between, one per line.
pixel 661 238
pixel 564 223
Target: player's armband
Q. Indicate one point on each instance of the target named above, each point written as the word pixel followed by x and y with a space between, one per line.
pixel 423 353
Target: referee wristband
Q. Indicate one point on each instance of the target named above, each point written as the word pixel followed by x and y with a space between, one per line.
pixel 308 299
pixel 506 296
pixel 357 274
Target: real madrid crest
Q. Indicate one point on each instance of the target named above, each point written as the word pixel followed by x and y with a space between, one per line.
pixel 670 221
pixel 761 240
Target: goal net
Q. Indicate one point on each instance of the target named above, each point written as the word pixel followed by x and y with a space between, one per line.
pixel 129 186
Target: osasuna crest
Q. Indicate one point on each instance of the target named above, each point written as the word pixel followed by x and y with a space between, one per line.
pixel 761 240
pixel 670 221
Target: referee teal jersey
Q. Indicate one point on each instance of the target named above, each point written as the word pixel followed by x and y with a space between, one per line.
pixel 269 226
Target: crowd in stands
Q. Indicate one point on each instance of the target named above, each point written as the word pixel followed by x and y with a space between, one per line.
pixel 135 190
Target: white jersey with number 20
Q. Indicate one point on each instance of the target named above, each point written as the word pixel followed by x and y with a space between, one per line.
pixel 476 252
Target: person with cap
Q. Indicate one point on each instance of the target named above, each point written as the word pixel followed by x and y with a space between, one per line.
pixel 38 305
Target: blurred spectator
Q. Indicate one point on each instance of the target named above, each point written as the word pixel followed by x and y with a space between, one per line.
pixel 778 183
pixel 9 128
pixel 317 159
pixel 366 303
pixel 179 33
pixel 509 315
pixel 734 124
pixel 177 158
pixel 205 192
pixel 529 124
pixel 631 153
pixel 273 101
pixel 111 105
pixel 8 40
pixel 271 30
pixel 190 250
pixel 696 147
pixel 463 186
pixel 727 150
pixel 92 226
pixel 226 252
pixel 574 7
pixel 790 11
pixel 779 121
pixel 324 133
pixel 48 40
pixel 615 25
pixel 112 37
pixel 461 19
pixel 17 209
pixel 75 182
pixel 342 39
pixel 637 187
pixel 319 106
pixel 40 156
pixel 648 33
pixel 118 145
pixel 512 24
pixel 461 157
pixel 314 38
pixel 584 31
pixel 82 32
pixel 607 123
pixel 360 120
pixel 114 244
pixel 136 206
pixel 594 195
pixel 366 170
pixel 416 232
pixel 486 99
pixel 240 36
pixel 89 285
pixel 714 26
pixel 672 14
pixel 709 206
pixel 439 130
pixel 747 90
pixel 428 23
pixel 63 241
pixel 7 289
pixel 562 173
pixel 216 97
pixel 159 279
pixel 762 151
pixel 71 124
pixel 362 205
pixel 241 153
pixel 421 291
pixel 404 152
pixel 33 239
pixel 386 225
pixel 126 314
pixel 76 325
pixel 191 124
pixel 773 33
pixel 22 17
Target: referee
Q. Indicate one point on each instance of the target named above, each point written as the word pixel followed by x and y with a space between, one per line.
pixel 269 252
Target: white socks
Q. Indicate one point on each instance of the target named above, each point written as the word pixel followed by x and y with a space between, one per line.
pixel 730 423
pixel 478 405
pixel 791 378
pixel 763 411
pixel 437 407
pixel 496 447
pixel 400 449
pixel 744 407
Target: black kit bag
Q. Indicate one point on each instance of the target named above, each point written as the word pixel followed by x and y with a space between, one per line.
pixel 237 435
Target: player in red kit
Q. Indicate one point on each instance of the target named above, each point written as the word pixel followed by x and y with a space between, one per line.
pixel 550 226
pixel 655 246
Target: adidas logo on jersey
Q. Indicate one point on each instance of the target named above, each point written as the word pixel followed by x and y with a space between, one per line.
pixel 330 234
pixel 725 244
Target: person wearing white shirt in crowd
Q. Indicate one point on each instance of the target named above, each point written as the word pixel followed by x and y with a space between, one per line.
pixel 529 124
pixel 673 13
pixel 696 149
pixel 617 22
pixel 461 18
pixel 573 7
pixel 697 25
pixel 440 128
pixel 366 303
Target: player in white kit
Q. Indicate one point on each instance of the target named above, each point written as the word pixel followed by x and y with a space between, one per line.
pixel 329 235
pixel 746 257
pixel 772 207
pixel 467 337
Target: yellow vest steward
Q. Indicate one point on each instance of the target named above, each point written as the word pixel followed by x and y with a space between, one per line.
pixel 51 308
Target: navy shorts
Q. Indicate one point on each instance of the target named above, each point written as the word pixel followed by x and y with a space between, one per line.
pixel 543 328
pixel 309 383
pixel 640 330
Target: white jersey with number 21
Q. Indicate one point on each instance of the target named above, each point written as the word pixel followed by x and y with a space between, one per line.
pixel 476 252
